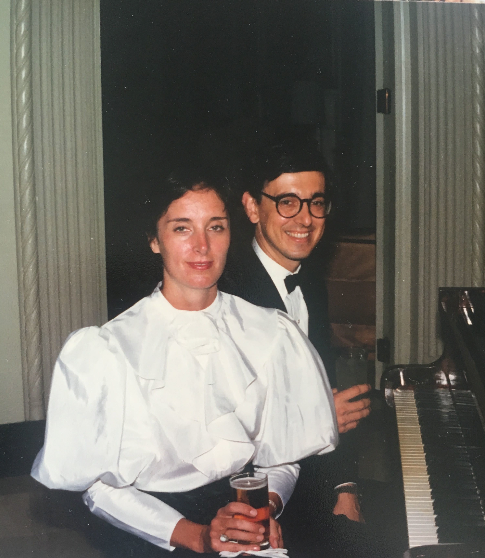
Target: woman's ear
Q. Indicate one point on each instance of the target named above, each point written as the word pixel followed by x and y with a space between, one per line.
pixel 155 245
pixel 251 207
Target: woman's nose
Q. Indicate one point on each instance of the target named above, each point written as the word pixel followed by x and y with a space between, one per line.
pixel 201 244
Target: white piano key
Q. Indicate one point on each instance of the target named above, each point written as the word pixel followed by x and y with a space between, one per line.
pixel 420 514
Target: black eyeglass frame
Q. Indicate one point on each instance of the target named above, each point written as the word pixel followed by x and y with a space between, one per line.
pixel 277 199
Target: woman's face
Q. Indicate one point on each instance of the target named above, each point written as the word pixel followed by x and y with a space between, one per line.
pixel 193 239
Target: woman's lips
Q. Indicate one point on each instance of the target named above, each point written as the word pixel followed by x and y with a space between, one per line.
pixel 200 266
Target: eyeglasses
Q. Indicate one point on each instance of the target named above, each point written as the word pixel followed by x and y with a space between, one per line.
pixel 289 205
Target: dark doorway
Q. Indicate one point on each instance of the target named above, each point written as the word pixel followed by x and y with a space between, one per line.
pixel 218 78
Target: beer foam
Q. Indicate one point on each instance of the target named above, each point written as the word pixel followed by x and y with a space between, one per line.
pixel 248 483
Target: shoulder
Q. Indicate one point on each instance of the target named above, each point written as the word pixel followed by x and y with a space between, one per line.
pixel 81 342
pixel 245 276
pixel 247 314
pixel 89 361
pixel 116 342
pixel 241 265
pixel 261 329
pixel 251 328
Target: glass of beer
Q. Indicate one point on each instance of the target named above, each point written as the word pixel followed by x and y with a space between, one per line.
pixel 252 489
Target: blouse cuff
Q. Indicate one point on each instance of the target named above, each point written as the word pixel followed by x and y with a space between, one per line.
pixel 282 480
pixel 134 511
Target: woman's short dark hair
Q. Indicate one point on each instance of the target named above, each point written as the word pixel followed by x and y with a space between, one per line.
pixel 176 185
pixel 289 156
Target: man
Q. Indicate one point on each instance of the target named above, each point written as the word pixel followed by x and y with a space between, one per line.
pixel 286 201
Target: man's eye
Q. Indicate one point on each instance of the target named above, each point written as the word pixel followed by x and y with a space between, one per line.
pixel 180 229
pixel 218 228
pixel 318 203
pixel 287 201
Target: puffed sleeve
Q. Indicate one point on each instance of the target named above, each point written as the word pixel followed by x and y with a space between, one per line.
pixel 299 415
pixel 85 415
pixel 83 447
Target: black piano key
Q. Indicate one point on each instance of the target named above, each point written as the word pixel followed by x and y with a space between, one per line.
pixel 454 445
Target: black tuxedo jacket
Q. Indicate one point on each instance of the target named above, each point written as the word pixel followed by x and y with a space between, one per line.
pixel 246 277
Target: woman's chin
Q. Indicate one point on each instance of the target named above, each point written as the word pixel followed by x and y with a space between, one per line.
pixel 202 283
pixel 203 280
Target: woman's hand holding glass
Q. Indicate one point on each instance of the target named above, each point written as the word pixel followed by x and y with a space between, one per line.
pixel 235 529
pixel 207 538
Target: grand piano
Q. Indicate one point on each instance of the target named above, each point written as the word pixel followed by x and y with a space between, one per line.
pixel 440 411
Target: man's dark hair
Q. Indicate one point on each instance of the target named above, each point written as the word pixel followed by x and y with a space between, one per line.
pixel 178 183
pixel 289 156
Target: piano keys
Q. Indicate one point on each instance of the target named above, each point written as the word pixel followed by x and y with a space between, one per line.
pixel 420 514
pixel 442 435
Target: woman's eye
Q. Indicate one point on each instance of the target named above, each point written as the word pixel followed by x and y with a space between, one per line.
pixel 180 229
pixel 218 228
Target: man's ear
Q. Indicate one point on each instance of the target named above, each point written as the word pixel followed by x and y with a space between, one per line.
pixel 251 207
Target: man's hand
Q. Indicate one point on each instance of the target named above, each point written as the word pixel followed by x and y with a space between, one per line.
pixel 349 413
pixel 275 534
pixel 348 505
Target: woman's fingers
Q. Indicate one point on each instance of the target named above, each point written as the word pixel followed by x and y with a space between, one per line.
pixel 233 522
pixel 249 540
pixel 236 508
pixel 238 529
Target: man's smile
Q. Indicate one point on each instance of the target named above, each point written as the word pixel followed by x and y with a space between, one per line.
pixel 298 234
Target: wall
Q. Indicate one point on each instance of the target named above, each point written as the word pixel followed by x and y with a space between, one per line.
pixel 11 391
pixel 51 194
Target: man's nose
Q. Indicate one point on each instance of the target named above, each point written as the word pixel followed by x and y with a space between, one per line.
pixel 304 217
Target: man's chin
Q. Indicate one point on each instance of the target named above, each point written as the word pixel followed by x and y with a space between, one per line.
pixel 299 251
pixel 297 256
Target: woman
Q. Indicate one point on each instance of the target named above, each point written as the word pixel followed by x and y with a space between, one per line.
pixel 151 413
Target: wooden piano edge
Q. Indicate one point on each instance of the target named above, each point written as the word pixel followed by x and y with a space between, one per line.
pixel 441 373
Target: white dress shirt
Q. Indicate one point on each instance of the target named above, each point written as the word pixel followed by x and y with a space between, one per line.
pixel 165 400
pixel 294 302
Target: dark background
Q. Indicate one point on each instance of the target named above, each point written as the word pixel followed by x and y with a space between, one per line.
pixel 219 79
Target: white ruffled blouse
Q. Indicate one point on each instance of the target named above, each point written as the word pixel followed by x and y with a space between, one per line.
pixel 166 400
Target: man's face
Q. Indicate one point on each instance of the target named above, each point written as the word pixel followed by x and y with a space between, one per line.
pixel 287 240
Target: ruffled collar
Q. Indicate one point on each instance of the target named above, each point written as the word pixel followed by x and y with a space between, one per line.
pixel 195 330
pixel 165 344
pixel 170 312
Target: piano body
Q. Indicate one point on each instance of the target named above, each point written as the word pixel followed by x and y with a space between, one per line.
pixel 440 411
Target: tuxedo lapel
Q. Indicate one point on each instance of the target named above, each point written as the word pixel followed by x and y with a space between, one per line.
pixel 246 277
pixel 314 292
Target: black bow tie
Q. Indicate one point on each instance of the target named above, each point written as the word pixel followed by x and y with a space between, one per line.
pixel 291 282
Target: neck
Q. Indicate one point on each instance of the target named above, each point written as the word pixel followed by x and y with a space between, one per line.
pixel 290 265
pixel 189 299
